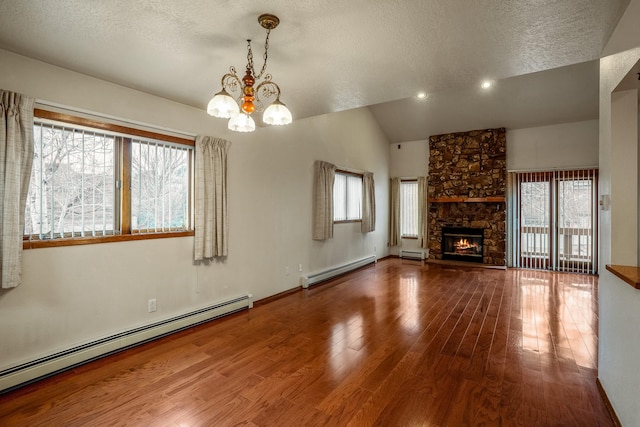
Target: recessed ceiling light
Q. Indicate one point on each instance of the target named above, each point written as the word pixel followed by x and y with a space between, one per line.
pixel 486 84
pixel 422 95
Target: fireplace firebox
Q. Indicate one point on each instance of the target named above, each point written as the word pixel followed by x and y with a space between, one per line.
pixel 463 244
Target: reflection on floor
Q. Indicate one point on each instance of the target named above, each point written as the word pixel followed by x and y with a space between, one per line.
pixel 395 343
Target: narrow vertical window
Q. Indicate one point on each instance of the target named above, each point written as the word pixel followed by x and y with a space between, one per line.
pixel 409 209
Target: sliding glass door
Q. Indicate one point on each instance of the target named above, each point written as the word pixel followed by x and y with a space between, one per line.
pixel 554 220
pixel 535 221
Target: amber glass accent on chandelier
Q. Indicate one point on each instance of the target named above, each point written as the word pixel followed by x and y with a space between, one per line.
pixel 248 80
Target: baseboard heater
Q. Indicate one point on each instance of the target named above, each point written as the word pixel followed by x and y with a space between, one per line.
pixel 321 276
pixel 419 255
pixel 46 366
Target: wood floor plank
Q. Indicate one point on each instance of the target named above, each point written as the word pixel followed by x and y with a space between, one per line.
pixel 486 312
pixel 385 394
pixel 395 343
pixel 480 354
pixel 496 360
pixel 464 318
pixel 474 405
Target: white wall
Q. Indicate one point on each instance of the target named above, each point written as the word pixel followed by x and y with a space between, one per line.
pixel 411 159
pixel 71 295
pixel 619 303
pixel 565 145
pixel 624 177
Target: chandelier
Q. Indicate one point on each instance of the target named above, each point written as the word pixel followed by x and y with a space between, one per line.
pixel 250 98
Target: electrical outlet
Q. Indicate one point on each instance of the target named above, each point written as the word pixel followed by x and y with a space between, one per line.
pixel 151 305
pixel 286 271
pixel 300 268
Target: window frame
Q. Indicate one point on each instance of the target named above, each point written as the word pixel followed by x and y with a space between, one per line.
pixel 122 172
pixel 552 229
pixel 361 177
pixel 405 236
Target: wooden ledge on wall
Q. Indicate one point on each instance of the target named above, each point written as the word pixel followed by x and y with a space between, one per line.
pixel 630 274
pixel 494 199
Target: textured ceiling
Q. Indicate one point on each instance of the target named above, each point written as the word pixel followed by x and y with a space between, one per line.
pixel 330 55
pixel 566 94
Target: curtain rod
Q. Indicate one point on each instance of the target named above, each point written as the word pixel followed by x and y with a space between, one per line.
pixel 553 169
pixel 112 119
pixel 350 170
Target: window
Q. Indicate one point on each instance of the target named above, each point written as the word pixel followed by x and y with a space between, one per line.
pixel 409 209
pixel 556 224
pixel 347 197
pixel 71 192
pixel 159 186
pixel 102 181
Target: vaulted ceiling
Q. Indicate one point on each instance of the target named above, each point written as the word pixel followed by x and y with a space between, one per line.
pixel 330 55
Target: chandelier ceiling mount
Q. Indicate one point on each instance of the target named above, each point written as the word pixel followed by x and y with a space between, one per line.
pixel 268 21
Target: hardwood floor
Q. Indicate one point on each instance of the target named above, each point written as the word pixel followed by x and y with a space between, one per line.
pixel 398 343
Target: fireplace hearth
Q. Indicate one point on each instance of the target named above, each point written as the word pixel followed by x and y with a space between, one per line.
pixel 463 244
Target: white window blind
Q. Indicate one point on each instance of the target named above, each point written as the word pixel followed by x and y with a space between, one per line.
pixel 159 186
pixel 71 193
pixel 554 221
pixel 87 182
pixel 409 209
pixel 347 197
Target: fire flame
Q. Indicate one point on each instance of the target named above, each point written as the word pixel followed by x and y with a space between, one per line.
pixel 464 244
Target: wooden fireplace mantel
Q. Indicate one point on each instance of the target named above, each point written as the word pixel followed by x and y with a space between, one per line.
pixel 495 199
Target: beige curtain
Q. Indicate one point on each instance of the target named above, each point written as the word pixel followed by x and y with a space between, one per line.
pixel 394 214
pixel 368 203
pixel 211 217
pixel 423 213
pixel 16 158
pixel 323 177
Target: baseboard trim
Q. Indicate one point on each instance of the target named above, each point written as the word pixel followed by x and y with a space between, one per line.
pixel 332 272
pixel 68 358
pixel 607 403
pixel 277 296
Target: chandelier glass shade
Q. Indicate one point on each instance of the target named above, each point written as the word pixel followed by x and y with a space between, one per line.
pixel 277 114
pixel 242 122
pixel 251 97
pixel 223 105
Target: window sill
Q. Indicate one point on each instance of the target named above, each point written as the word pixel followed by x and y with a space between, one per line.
pixel 347 222
pixel 630 274
pixel 36 244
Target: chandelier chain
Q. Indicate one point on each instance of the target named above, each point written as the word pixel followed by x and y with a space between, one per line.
pixel 265 57
pixel 249 57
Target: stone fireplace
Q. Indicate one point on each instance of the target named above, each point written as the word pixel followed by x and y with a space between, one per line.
pixel 467 185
